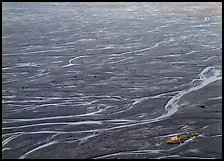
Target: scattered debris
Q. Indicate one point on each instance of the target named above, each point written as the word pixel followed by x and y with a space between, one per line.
pixel 181 138
pixel 173 140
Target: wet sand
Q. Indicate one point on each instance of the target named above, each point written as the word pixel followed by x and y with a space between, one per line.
pixel 103 80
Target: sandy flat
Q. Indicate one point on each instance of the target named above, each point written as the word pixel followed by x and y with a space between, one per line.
pixel 111 80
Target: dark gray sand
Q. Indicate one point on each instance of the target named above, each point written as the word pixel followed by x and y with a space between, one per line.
pixel 111 80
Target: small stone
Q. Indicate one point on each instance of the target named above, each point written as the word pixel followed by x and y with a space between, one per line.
pixel 202 105
pixel 194 134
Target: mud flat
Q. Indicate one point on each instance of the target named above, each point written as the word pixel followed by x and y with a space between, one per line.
pixel 111 80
